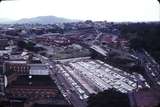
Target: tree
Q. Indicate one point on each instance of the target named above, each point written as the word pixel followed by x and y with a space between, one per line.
pixel 21 44
pixel 136 43
pixel 108 98
pixel 147 37
pixel 158 105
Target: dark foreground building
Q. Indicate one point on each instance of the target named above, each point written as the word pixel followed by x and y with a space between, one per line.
pixel 33 91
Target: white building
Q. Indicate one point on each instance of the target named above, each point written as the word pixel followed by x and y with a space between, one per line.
pixel 2 52
pixel 38 69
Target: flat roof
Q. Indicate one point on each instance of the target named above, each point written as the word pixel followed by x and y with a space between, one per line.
pixel 99 49
pixel 17 62
pixel 33 80
pixel 38 67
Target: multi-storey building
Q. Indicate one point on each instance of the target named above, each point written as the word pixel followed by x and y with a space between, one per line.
pixel 20 67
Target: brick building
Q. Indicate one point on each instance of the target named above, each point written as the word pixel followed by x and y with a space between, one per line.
pixel 33 91
pixel 32 87
pixel 20 67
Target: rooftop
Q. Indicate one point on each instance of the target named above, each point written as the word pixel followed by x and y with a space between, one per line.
pixel 38 66
pixel 33 80
pixel 99 50
pixel 17 62
pixel 49 105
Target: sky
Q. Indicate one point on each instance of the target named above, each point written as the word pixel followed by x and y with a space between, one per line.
pixel 96 10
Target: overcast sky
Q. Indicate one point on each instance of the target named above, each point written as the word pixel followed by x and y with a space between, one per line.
pixel 110 10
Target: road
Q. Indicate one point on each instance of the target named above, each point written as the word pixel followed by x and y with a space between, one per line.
pixel 71 95
pixel 152 69
pixel 64 86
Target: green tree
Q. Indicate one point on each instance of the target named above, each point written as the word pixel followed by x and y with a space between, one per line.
pixel 21 44
pixel 108 98
pixel 158 105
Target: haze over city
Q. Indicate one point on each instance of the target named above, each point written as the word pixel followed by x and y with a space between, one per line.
pixel 79 53
pixel 110 10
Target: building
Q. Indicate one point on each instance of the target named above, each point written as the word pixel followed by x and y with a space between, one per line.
pixel 4 52
pixel 12 69
pixel 3 43
pixel 20 67
pixel 38 69
pixel 32 87
pixel 98 52
pixel 35 90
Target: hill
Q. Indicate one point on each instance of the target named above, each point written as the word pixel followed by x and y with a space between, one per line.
pixel 39 20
